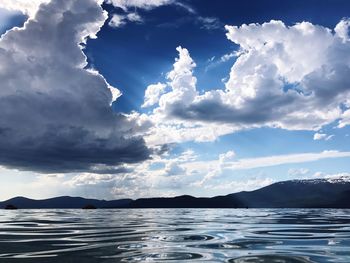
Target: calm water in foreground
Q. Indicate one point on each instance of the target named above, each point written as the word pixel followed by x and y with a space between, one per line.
pixel 177 235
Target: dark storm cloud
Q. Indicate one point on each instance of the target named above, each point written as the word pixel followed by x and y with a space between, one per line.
pixel 55 115
pixel 258 112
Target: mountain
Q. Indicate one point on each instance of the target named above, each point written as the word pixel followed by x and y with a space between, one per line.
pixel 64 202
pixel 187 201
pixel 317 193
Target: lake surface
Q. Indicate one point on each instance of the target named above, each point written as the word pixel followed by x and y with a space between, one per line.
pixel 176 235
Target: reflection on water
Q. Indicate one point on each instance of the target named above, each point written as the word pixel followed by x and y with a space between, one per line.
pixel 187 235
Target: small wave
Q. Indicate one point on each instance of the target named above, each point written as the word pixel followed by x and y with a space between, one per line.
pixel 178 235
pixel 269 259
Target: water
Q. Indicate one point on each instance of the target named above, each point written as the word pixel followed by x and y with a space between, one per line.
pixel 176 235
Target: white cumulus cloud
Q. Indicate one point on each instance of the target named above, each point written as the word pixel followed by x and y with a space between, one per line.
pixel 291 77
pixel 152 94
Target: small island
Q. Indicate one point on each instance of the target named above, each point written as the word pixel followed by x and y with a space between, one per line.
pixel 89 207
pixel 10 207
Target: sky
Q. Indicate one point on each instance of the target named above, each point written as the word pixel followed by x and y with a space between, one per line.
pixel 132 98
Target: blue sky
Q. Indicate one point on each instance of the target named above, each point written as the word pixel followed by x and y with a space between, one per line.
pixel 202 90
pixel 148 48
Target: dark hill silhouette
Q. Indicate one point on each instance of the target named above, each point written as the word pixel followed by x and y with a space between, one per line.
pixel 10 207
pixel 187 201
pixel 318 193
pixel 298 193
pixel 89 207
pixel 64 202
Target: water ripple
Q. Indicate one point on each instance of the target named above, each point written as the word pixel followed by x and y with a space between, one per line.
pixel 178 235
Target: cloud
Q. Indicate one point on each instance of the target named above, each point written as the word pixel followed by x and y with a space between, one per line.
pixel 173 168
pixel 28 7
pixel 168 126
pixel 319 136
pixel 322 136
pixel 261 162
pixel 180 173
pixel 90 179
pixel 228 156
pixel 345 119
pixel 160 176
pixel 170 175
pixel 5 19
pixel 290 77
pixel 209 23
pixel 251 163
pixel 228 56
pixel 213 63
pixel 214 169
pixel 134 17
pixel 152 94
pixel 333 177
pixel 298 172
pixel 142 4
pixel 55 114
pixel 118 20
pixel 191 15
pixel 243 185
pixel 342 30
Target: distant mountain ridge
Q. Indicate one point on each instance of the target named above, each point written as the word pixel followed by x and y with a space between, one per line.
pixel 310 193
pixel 63 202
